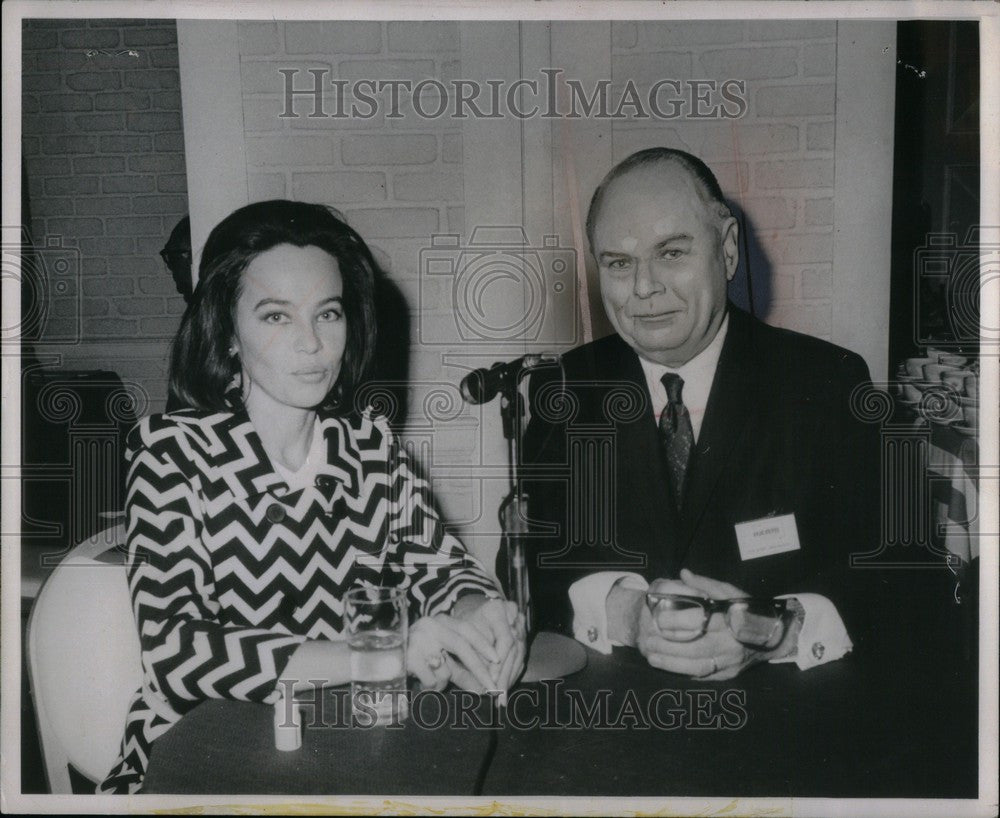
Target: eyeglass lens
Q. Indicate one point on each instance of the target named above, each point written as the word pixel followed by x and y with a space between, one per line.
pixel 687 617
pixel 752 622
pixel 755 623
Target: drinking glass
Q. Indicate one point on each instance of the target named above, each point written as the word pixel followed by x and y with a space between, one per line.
pixel 377 631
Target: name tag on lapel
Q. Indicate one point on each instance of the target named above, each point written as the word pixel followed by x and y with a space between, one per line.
pixel 767 536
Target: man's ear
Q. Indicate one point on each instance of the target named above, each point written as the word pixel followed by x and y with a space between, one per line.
pixel 731 245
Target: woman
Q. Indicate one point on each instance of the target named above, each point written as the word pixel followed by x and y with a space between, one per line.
pixel 251 513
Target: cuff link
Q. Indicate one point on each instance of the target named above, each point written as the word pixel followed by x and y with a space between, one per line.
pixel 818 649
pixel 592 634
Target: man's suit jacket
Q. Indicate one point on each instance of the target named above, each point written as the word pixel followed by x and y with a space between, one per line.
pixel 779 436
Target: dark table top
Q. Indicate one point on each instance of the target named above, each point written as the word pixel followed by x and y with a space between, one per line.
pixel 838 730
pixel 902 726
pixel 224 746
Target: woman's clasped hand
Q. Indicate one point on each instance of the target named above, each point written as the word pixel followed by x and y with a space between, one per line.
pixel 479 646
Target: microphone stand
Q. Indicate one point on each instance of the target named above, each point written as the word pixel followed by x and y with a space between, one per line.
pixel 513 519
pixel 550 655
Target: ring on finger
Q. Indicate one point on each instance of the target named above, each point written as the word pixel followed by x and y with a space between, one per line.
pixel 434 662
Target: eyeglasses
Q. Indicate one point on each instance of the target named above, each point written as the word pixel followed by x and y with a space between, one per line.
pixel 753 621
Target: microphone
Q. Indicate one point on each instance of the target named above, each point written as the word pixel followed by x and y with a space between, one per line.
pixel 482 385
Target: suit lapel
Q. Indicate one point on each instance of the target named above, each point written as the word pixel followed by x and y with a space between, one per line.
pixel 729 410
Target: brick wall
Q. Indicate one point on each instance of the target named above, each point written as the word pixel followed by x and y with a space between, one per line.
pixel 776 161
pixel 104 152
pixel 396 180
pixel 104 155
pixel 400 180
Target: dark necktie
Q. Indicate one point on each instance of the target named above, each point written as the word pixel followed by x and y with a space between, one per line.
pixel 676 435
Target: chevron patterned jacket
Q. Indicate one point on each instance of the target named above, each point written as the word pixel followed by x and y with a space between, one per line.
pixel 229 570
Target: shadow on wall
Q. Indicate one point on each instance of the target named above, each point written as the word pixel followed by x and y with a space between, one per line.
pixel 391 367
pixel 758 281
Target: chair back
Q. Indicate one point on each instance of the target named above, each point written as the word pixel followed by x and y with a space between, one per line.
pixel 84 661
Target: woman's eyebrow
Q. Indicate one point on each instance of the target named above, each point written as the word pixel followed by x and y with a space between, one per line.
pixel 281 302
pixel 267 302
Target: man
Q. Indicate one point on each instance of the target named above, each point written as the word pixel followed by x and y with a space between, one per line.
pixel 697 451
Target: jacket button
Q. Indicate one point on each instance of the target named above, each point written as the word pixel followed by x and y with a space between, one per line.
pixel 275 513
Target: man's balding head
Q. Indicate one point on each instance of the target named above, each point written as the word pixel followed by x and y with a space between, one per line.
pixel 701 174
pixel 666 246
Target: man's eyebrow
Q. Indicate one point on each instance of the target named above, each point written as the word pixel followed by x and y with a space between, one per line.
pixel 613 254
pixel 673 239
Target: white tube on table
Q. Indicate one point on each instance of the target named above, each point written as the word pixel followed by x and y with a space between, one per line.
pixel 287 725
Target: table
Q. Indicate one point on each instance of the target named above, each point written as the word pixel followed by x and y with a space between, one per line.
pixel 836 730
pixel 197 754
pixel 904 725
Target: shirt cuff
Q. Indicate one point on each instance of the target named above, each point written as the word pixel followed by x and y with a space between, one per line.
pixel 589 597
pixel 823 637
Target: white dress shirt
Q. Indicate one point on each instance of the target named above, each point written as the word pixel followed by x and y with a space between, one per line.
pixel 823 637
pixel 697 375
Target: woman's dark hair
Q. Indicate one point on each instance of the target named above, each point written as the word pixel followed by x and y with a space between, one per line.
pixel 201 365
pixel 702 174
